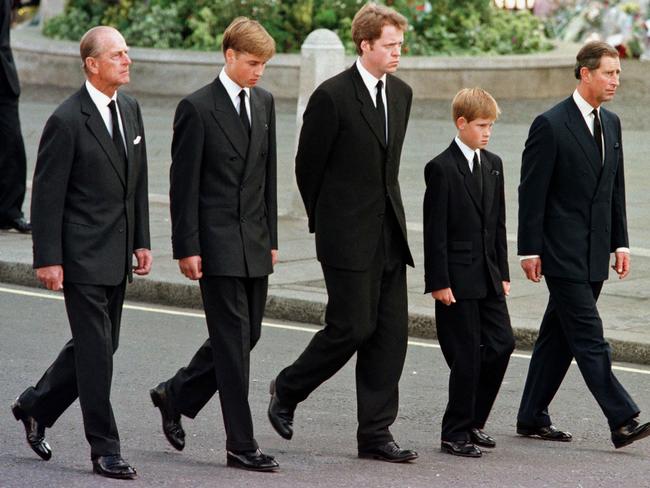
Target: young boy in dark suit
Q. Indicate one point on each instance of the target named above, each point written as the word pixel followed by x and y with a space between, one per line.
pixel 466 270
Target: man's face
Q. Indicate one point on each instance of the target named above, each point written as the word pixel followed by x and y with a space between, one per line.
pixel 602 82
pixel 243 68
pixel 382 55
pixel 110 69
pixel 475 134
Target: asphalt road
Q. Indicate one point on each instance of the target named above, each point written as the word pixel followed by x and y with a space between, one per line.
pixel 156 341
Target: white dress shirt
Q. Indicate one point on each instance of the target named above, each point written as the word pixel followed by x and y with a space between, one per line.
pixel 102 101
pixel 371 84
pixel 468 152
pixel 233 90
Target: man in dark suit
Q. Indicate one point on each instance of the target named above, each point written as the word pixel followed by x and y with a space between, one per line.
pixel 90 213
pixel 346 168
pixel 571 217
pixel 13 164
pixel 224 234
pixel 466 270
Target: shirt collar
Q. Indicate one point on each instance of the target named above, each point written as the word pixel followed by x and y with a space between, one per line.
pixel 584 106
pixel 369 80
pixel 100 99
pixel 231 87
pixel 468 152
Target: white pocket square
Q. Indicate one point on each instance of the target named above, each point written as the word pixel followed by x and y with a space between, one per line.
pixel 137 140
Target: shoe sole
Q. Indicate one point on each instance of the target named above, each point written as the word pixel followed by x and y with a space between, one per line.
pixel 236 464
pixel 532 435
pixel 157 401
pixel 642 435
pixel 377 457
pixel 454 453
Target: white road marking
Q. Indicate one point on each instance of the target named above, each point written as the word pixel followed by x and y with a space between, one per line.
pixel 273 325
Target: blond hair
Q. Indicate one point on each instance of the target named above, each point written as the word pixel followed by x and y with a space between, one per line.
pixel 474 103
pixel 248 36
pixel 370 20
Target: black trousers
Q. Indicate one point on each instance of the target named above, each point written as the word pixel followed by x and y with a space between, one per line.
pixel 572 328
pixel 234 308
pixel 476 340
pixel 366 313
pixel 84 367
pixel 13 163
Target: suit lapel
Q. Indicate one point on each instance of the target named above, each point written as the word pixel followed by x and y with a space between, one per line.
pixel 258 131
pixel 468 180
pixel 489 182
pixel 612 146
pixel 578 127
pixel 368 109
pixel 228 119
pixel 97 127
pixel 130 133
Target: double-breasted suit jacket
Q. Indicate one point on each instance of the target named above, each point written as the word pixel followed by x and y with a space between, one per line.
pixel 572 203
pixel 347 175
pixel 88 213
pixel 464 234
pixel 223 196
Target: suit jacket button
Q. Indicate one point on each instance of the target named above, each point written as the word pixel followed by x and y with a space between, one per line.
pixel 121 230
pixel 241 188
pixel 243 220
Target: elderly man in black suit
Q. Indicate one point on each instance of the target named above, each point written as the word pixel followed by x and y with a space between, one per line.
pixel 13 164
pixel 224 234
pixel 91 215
pixel 571 217
pixel 346 168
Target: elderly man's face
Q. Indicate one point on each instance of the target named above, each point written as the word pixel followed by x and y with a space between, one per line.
pixel 110 69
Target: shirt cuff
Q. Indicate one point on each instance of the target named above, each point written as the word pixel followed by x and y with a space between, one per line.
pixel 623 249
pixel 530 256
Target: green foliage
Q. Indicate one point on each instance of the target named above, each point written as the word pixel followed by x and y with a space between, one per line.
pixel 435 27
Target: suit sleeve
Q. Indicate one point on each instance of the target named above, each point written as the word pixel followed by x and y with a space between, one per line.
pixel 502 236
pixel 319 129
pixel 537 165
pixel 54 162
pixel 436 200
pixel 185 174
pixel 141 236
pixel 619 214
pixel 271 190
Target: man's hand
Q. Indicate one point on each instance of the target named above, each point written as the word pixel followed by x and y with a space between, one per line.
pixel 145 260
pixel 275 255
pixel 51 277
pixel 532 269
pixel 191 267
pixel 506 287
pixel 444 295
pixel 622 264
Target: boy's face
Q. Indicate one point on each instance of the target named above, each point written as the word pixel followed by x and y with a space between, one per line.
pixel 476 134
pixel 243 68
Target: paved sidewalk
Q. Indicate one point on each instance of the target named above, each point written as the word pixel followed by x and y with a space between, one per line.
pixel 296 288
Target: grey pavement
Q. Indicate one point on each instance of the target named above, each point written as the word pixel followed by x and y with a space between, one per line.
pixel 296 288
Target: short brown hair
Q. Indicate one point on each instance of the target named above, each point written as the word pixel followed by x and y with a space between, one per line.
pixel 590 55
pixel 371 19
pixel 90 45
pixel 474 103
pixel 248 36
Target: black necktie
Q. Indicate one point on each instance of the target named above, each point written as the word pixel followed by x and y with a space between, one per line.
pixel 117 136
pixel 243 115
pixel 598 133
pixel 380 109
pixel 477 174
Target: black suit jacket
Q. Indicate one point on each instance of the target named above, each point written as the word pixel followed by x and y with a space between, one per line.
pixel 8 75
pixel 87 215
pixel 465 242
pixel 223 191
pixel 347 176
pixel 572 207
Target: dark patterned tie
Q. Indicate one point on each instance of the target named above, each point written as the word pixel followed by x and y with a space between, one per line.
pixel 117 136
pixel 477 174
pixel 598 133
pixel 243 115
pixel 381 110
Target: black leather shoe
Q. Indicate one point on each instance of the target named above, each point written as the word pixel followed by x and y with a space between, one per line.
pixel 630 432
pixel 114 467
pixel 480 438
pixel 171 421
pixel 390 452
pixel 19 224
pixel 34 431
pixel 280 414
pixel 547 433
pixel 460 448
pixel 251 460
